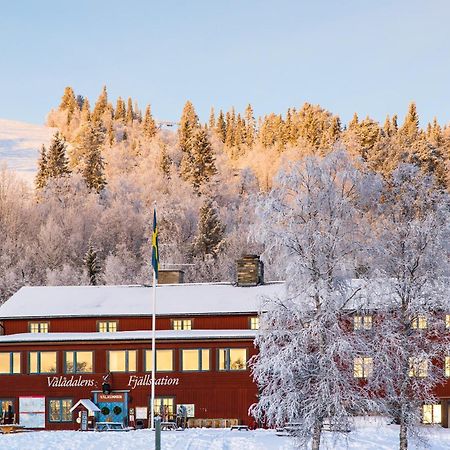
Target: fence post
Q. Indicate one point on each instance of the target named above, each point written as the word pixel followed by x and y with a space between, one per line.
pixel 157 433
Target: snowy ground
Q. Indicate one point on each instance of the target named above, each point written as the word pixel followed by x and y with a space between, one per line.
pixel 365 437
pixel 20 144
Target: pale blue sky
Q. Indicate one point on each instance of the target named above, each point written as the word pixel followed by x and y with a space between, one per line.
pixel 368 56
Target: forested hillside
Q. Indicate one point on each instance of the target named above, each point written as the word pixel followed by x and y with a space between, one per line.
pixel 88 220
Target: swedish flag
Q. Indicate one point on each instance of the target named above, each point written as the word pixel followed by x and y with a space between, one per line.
pixel 155 250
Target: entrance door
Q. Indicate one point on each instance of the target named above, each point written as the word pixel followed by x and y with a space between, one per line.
pixel 113 407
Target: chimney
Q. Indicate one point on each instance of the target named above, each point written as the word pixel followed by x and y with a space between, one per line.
pixel 250 271
pixel 170 276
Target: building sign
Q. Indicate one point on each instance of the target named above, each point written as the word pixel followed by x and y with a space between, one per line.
pixel 111 398
pixel 73 381
pixel 146 380
pixel 141 412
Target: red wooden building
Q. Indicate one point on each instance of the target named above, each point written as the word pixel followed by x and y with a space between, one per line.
pixel 60 345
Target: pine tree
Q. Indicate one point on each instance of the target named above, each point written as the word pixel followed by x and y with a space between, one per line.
pixel 250 126
pixel 410 128
pixel 165 162
pixel 130 113
pixel 68 103
pixel 189 123
pixel 120 110
pixel 100 106
pixel 212 119
pixel 149 125
pixel 221 127
pixel 57 162
pixel 92 265
pixel 198 165
pixel 211 232
pixel 86 111
pixel 231 128
pixel 42 174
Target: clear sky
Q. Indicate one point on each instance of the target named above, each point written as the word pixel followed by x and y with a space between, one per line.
pixel 368 56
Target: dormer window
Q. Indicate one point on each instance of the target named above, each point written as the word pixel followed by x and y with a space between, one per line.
pixel 254 323
pixel 107 326
pixel 38 327
pixel 181 324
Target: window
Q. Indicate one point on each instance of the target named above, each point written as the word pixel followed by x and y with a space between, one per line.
pixel 182 324
pixel 418 367
pixel 38 327
pixel 362 323
pixel 447 320
pixel 9 362
pixel 431 414
pixel 78 362
pixel 232 359
pixel 419 323
pixel 195 359
pixel 164 404
pixel 122 360
pixel 164 360
pixel 362 367
pixel 109 326
pixel 447 366
pixel 6 407
pixel 42 362
pixel 59 410
pixel 254 323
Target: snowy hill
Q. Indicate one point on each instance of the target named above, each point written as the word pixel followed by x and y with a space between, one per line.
pixel 20 143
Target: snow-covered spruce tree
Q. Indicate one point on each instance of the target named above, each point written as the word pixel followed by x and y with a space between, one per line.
pixel 41 175
pixel 92 265
pixel 410 340
pixel 304 370
pixel 57 162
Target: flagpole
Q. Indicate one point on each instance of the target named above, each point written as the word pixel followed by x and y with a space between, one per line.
pixel 152 403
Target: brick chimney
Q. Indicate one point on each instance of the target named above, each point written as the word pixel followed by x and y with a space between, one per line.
pixel 170 276
pixel 250 271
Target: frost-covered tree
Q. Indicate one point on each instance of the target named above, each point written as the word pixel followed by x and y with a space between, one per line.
pixel 412 261
pixel 149 125
pixel 57 162
pixel 92 265
pixel 189 123
pixel 313 217
pixel 41 175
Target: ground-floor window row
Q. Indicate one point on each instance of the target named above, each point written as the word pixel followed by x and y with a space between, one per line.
pixel 418 367
pixel 78 362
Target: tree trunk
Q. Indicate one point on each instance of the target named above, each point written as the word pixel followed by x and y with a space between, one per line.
pixel 403 436
pixel 316 437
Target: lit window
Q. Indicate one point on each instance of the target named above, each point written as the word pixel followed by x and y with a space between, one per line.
pixel 447 366
pixel 362 367
pixel 38 327
pixel 418 367
pixel 164 405
pixel 6 407
pixel 59 410
pixel 254 323
pixel 232 359
pixel 447 320
pixel 164 360
pixel 419 323
pixel 42 362
pixel 362 323
pixel 9 362
pixel 122 360
pixel 431 414
pixel 109 326
pixel 182 324
pixel 79 362
pixel 195 359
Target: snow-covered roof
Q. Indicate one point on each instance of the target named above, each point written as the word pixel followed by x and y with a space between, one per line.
pixel 171 299
pixel 129 335
pixel 88 404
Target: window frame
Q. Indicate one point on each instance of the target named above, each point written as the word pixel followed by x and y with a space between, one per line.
pixel 227 359
pixel 200 359
pixel 416 368
pixel 127 364
pixel 447 366
pixel 39 352
pixel 60 399
pixel 420 322
pixel 107 322
pixel 39 323
pixel 11 364
pixel 365 322
pixel 250 319
pixel 8 399
pixel 432 407
pixel 365 365
pixel 75 372
pixel 145 350
pixel 157 397
pixel 182 319
pixel 447 321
